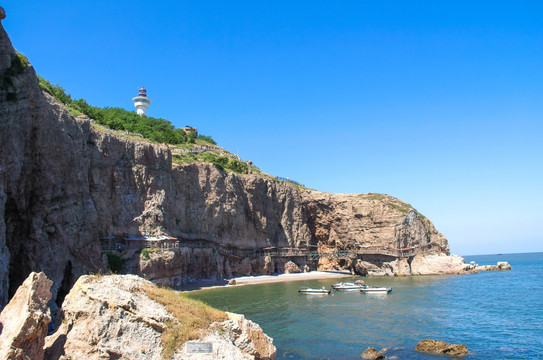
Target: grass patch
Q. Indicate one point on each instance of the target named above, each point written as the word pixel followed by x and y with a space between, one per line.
pixel 402 208
pixel 222 162
pixel 392 202
pixel 377 196
pixel 23 60
pixel 192 317
pixel 146 253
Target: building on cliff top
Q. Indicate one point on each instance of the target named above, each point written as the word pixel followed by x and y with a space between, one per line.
pixel 142 102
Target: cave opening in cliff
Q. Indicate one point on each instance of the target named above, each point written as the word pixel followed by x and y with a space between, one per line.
pixel 65 285
pixel 16 230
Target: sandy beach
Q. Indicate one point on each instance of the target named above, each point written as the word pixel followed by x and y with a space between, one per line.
pixel 264 279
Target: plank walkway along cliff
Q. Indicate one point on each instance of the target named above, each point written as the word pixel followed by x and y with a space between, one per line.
pixel 309 254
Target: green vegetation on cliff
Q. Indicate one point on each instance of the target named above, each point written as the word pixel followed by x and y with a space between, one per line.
pixel 115 263
pixel 18 64
pixel 154 129
pixel 186 147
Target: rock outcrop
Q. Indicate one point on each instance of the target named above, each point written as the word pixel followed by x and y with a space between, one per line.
pixel 237 334
pixel 501 265
pixel 372 354
pixel 442 348
pixel 65 183
pixel 108 316
pixel 113 317
pixel 24 321
pixel 439 264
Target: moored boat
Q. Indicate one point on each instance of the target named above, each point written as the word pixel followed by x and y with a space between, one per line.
pixel 348 286
pixel 375 290
pixel 311 291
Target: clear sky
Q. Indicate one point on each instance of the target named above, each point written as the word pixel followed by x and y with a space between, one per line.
pixel 439 103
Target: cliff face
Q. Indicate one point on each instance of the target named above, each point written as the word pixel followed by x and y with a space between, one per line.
pixel 63 184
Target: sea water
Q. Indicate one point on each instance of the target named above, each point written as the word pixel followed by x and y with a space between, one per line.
pixel 497 314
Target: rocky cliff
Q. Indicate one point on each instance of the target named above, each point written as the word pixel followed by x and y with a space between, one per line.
pixel 64 183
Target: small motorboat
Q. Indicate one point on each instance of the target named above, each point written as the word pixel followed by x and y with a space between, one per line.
pixel 310 291
pixel 375 290
pixel 348 286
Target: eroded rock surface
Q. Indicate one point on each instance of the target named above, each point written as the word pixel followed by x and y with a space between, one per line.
pixel 372 354
pixel 501 265
pixel 438 264
pixel 236 338
pixel 442 347
pixel 24 321
pixel 108 317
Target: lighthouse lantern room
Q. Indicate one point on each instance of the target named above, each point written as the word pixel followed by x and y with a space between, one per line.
pixel 142 102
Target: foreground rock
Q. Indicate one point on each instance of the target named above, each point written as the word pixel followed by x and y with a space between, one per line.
pixel 441 347
pixel 107 317
pixel 372 354
pixel 234 339
pixel 24 321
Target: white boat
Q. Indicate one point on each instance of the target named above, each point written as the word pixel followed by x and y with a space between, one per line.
pixel 348 286
pixel 376 290
pixel 310 291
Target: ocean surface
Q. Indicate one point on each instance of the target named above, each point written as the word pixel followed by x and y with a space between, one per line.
pixel 498 314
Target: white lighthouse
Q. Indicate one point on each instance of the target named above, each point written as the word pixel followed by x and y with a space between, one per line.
pixel 142 102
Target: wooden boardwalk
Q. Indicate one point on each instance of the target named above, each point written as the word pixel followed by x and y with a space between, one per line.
pixel 239 253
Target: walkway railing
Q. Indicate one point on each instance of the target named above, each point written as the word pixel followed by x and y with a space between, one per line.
pixel 311 255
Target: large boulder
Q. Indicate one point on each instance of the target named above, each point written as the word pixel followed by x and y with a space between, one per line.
pixel 109 316
pixel 292 268
pixel 114 317
pixel 234 339
pixel 24 321
pixel 441 347
pixel 438 264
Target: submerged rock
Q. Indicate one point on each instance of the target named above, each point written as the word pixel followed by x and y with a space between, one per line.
pixel 24 321
pixel 441 347
pixel 372 354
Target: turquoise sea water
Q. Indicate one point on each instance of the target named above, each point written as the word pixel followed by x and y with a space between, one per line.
pixel 498 315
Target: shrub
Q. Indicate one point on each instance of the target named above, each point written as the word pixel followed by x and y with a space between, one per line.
pixel 207 139
pixel 238 166
pixel 145 253
pixel 115 263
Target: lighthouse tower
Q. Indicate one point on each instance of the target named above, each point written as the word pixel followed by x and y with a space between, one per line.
pixel 142 102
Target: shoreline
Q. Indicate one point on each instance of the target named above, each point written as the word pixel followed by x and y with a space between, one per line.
pixel 206 284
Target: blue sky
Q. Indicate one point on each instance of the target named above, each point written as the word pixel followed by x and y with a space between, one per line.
pixel 437 103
